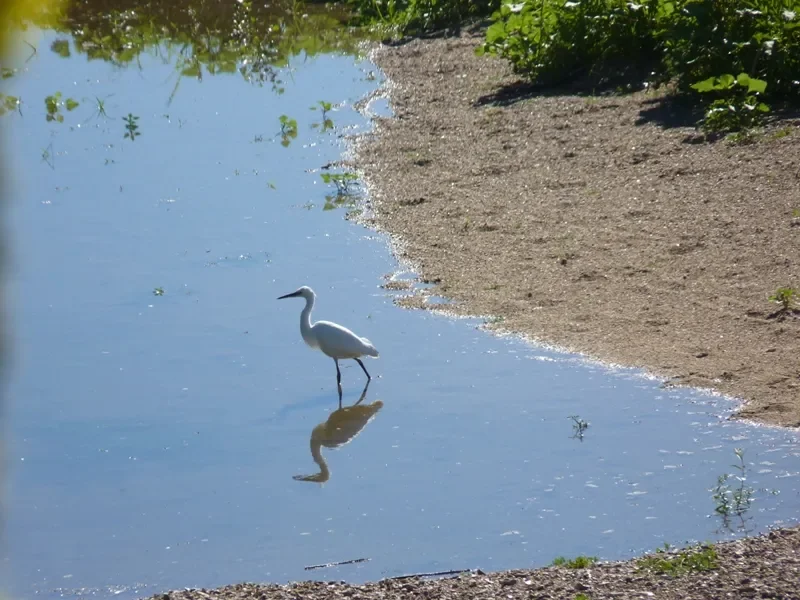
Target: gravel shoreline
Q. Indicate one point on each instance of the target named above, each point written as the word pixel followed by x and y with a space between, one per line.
pixel 766 566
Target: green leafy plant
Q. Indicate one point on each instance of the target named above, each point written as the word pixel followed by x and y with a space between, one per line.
pixel 551 41
pixel 132 127
pixel 688 43
pixel 703 38
pixel 579 562
pixel 288 130
pixel 738 108
pixel 697 559
pixel 786 297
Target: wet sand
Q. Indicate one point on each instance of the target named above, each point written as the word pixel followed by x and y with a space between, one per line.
pixel 603 225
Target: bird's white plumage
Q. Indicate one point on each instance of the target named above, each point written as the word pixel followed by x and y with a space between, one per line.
pixel 339 342
pixel 331 338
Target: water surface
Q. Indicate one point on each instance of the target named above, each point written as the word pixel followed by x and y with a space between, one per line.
pixel 155 438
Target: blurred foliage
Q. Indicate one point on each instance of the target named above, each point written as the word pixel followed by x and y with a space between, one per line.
pixel 204 37
pixel 414 17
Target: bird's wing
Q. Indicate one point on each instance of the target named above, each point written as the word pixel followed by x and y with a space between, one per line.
pixel 339 342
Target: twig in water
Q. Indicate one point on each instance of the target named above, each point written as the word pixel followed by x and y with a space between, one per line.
pixel 336 564
pixel 436 574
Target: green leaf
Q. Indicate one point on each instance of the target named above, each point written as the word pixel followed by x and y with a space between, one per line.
pixel 756 85
pixel 726 81
pixel 706 85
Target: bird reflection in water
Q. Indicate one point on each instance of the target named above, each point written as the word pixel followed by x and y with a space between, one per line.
pixel 341 427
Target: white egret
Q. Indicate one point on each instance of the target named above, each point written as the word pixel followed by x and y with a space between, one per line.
pixel 332 339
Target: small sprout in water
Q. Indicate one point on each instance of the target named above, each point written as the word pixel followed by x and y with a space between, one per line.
pixel 579 426
pixel 100 109
pixel 288 130
pixel 733 500
pixel 342 181
pixel 159 291
pixel 131 126
pixel 47 156
pixel 325 107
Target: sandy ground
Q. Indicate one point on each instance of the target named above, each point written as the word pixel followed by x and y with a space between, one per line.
pixel 602 225
pixel 763 567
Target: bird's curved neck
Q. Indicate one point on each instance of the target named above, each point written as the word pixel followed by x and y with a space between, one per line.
pixel 316 454
pixel 305 320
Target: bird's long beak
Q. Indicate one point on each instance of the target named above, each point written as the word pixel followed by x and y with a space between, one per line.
pixel 292 295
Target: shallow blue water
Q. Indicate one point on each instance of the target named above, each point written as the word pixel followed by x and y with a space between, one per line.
pixel 153 439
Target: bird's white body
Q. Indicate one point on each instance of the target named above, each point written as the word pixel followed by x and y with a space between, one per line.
pixel 335 341
pixel 331 338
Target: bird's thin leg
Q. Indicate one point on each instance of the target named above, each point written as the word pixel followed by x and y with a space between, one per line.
pixel 338 379
pixel 358 360
pixel 363 394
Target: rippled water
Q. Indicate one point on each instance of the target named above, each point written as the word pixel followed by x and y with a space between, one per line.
pixel 155 439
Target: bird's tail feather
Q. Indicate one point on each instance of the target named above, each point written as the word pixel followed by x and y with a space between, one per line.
pixel 370 350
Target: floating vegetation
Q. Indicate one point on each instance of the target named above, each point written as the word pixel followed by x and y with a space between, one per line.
pixel 131 127
pixel 579 426
pixel 288 130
